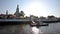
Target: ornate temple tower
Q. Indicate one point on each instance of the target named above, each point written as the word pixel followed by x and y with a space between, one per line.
pixel 17 12
pixel 7 12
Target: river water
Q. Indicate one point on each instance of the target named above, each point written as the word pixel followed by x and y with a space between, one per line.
pixel 53 28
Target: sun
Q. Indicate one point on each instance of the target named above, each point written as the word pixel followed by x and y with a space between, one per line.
pixel 37 9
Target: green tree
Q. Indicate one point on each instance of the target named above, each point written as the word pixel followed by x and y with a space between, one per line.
pixel 22 13
pixel 51 16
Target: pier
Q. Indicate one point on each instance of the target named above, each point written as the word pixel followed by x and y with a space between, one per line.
pixel 21 21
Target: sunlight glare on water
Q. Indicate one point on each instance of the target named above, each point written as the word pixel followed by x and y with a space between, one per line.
pixel 36 30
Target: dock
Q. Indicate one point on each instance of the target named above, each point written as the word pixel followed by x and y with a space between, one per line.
pixel 20 21
pixel 14 21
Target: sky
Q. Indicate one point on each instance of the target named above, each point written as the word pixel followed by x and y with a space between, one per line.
pixel 31 7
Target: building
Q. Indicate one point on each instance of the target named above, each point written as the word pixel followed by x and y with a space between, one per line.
pixel 7 16
pixel 17 12
pixel 7 12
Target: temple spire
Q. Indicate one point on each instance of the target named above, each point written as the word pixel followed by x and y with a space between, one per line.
pixel 17 11
pixel 17 6
pixel 7 12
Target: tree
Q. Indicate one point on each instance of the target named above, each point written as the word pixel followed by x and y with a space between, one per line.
pixel 51 16
pixel 22 13
pixel 42 17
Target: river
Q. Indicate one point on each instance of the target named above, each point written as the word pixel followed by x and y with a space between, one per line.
pixel 53 28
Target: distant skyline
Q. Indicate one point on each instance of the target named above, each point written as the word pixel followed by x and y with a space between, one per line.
pixel 31 7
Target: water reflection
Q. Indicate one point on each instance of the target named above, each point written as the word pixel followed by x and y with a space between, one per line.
pixel 32 30
pixel 53 28
pixel 36 30
pixel 11 29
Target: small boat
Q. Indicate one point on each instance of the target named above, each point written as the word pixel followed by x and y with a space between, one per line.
pixel 38 24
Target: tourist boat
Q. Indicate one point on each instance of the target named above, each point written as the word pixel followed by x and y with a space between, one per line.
pixel 38 24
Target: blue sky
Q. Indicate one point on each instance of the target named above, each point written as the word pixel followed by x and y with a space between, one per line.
pixel 35 7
